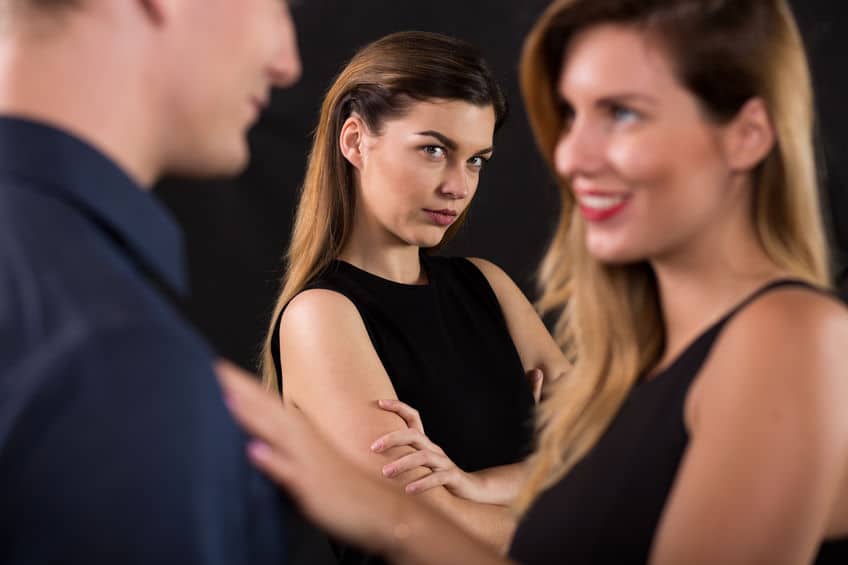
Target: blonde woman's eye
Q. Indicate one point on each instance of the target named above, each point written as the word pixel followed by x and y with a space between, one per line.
pixel 624 114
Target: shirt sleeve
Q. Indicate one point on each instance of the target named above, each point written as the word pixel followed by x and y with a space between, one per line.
pixel 125 453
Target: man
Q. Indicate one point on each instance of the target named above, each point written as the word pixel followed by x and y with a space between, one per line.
pixel 115 444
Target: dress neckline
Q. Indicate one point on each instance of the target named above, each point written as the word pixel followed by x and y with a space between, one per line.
pixel 362 274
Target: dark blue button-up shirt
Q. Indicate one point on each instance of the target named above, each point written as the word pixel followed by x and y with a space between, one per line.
pixel 115 445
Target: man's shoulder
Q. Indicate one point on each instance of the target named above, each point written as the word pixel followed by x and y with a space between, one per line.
pixel 68 294
pixel 57 267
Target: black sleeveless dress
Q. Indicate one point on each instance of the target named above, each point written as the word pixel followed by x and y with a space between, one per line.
pixel 607 508
pixel 447 351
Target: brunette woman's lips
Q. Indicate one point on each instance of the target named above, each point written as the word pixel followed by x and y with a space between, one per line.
pixel 441 217
pixel 598 207
pixel 258 103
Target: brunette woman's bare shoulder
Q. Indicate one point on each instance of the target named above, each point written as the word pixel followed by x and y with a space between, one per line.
pixel 318 306
pixel 323 338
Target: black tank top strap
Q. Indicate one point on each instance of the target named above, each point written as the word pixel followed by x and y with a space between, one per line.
pixel 765 289
pixel 275 351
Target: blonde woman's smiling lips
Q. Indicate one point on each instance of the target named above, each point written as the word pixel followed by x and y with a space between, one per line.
pixel 599 205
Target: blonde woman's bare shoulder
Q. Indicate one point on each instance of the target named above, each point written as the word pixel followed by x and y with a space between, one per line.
pixel 787 344
pixel 807 317
pixel 766 415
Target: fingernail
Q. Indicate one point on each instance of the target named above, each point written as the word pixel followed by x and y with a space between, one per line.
pixel 388 471
pixel 377 445
pixel 411 488
pixel 258 450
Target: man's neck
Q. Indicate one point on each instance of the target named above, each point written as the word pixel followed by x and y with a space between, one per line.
pixel 71 82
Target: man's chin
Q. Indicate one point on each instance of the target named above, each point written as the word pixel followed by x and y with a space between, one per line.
pixel 215 165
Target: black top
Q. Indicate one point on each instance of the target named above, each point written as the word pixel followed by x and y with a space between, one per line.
pixel 447 351
pixel 606 509
pixel 115 444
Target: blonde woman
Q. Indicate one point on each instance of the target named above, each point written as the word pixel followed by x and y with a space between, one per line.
pixel 703 420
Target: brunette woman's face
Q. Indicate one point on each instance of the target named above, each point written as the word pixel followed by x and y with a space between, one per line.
pixel 648 170
pixel 420 172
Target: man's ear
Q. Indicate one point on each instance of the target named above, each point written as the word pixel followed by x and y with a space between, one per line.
pixel 750 137
pixel 352 139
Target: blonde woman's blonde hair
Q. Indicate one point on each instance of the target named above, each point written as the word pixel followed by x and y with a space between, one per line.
pixel 381 82
pixel 725 52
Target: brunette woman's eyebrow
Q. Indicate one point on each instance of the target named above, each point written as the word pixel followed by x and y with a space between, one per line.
pixel 443 139
pixel 450 143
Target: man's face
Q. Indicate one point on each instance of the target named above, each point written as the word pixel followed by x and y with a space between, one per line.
pixel 223 58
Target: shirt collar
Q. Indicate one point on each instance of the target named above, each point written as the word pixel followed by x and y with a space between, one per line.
pixel 73 170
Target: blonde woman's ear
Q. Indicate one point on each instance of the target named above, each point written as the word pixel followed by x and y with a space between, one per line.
pixel 750 136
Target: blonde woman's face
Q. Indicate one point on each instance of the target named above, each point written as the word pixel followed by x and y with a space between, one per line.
pixel 646 168
pixel 420 173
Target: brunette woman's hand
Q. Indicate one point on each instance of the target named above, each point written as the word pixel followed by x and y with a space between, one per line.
pixel 331 490
pixel 536 378
pixel 445 471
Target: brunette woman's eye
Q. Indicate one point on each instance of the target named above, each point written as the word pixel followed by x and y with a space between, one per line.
pixel 434 151
pixel 478 162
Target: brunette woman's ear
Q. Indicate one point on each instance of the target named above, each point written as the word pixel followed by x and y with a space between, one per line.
pixel 351 140
pixel 750 137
